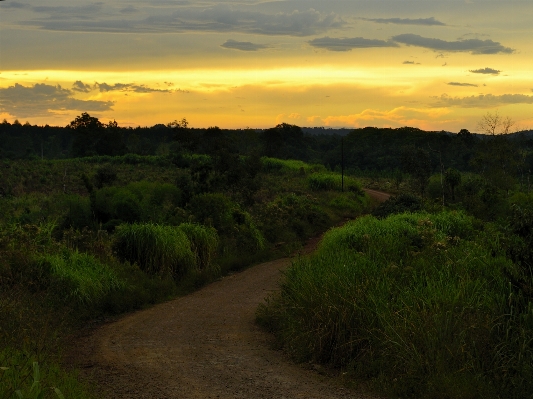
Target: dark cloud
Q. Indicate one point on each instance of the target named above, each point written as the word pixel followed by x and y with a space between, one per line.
pixel 406 21
pixel 218 18
pixel 474 46
pixel 104 87
pixel 79 12
pixel 461 84
pixel 243 46
pixel 81 87
pixel 411 63
pixel 129 10
pixel 487 71
pixel 347 43
pixel 482 100
pixel 15 4
pixel 41 99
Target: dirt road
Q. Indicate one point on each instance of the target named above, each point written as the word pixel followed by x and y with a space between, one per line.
pixel 204 345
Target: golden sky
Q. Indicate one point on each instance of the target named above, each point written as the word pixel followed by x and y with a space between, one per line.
pixel 432 64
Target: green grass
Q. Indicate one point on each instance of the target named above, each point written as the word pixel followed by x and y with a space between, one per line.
pixel 80 276
pixel 412 303
pixel 332 182
pixel 289 166
pixel 204 244
pixel 23 377
pixel 156 249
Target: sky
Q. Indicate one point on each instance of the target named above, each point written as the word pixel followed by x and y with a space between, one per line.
pixel 431 64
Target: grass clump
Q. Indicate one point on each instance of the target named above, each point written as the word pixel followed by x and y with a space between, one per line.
pixel 157 249
pixel 289 166
pixel 83 279
pixel 332 182
pixel 411 302
pixel 204 244
pixel 23 377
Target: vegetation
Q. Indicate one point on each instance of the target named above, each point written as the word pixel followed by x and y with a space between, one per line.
pixel 418 303
pixel 429 297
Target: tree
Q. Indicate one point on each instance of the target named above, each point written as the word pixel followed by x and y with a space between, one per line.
pixel 452 178
pixel 417 163
pixel 85 122
pixel 494 123
pixel 497 158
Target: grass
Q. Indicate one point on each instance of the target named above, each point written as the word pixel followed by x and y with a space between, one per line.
pixel 156 249
pixel 413 303
pixel 81 277
pixel 23 377
pixel 289 166
pixel 204 244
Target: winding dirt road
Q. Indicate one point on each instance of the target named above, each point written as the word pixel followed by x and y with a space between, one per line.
pixel 203 345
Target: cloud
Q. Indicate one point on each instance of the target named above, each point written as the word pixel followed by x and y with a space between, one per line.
pixel 243 46
pixel 82 12
pixel 217 18
pixel 129 10
pixel 130 87
pixel 347 44
pixel 399 116
pixel 482 100
pixel 81 87
pixel 406 21
pixel 488 71
pixel 461 84
pixel 42 99
pixel 474 46
pixel 411 63
pixel 15 4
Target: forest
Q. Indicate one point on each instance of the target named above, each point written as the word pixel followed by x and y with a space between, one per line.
pixel 428 294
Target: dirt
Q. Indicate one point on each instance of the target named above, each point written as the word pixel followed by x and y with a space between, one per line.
pixel 203 345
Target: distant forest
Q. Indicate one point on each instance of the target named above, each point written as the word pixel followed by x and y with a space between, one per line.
pixel 362 150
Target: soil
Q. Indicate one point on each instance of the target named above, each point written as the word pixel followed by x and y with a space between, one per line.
pixel 203 345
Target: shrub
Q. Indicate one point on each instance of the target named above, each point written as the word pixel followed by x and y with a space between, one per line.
pixel 81 277
pixel 398 204
pixel 412 303
pixel 333 182
pixel 155 248
pixel 289 166
pixel 204 244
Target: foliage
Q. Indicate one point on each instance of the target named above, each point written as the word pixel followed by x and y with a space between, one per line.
pixel 333 181
pixel 411 302
pixel 156 249
pixel 398 204
pixel 79 276
pixel 20 377
pixel 204 244
pixel 291 166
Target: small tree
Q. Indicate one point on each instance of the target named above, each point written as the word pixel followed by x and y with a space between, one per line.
pixel 494 123
pixel 452 178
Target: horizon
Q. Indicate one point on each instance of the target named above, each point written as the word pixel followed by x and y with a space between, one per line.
pixel 438 65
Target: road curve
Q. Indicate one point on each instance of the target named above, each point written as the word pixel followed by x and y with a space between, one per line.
pixel 203 345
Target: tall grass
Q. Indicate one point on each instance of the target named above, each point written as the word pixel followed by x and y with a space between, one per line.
pixel 83 279
pixel 289 166
pixel 204 245
pixel 332 182
pixel 412 303
pixel 155 248
pixel 23 377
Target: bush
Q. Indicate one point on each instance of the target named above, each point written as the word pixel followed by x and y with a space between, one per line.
pixel 204 244
pixel 411 303
pixel 333 182
pixel 79 277
pixel 156 249
pixel 398 204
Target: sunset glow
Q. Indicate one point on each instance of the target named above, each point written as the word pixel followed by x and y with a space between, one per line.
pixel 436 65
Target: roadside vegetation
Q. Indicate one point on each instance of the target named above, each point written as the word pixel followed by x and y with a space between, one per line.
pixel 429 295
